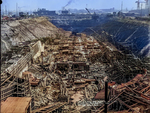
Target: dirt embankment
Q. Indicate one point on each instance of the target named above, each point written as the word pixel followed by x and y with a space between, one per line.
pixel 25 30
pixel 18 36
pixel 71 68
pixel 134 35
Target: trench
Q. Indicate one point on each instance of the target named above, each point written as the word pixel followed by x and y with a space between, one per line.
pixel 125 34
pixel 129 36
pixel 104 64
pixel 77 25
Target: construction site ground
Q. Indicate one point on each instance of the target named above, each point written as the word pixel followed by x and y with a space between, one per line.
pixel 69 76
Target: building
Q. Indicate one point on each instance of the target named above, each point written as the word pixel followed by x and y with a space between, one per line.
pixel 65 12
pixel 44 12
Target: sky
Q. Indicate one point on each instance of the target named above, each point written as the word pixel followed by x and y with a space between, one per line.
pixel 73 4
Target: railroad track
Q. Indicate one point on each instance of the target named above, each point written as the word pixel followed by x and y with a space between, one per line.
pixel 50 108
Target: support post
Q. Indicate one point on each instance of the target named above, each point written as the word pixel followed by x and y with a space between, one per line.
pixel 42 57
pixel 106 95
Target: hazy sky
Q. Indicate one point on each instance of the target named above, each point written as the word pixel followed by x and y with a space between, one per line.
pixel 74 4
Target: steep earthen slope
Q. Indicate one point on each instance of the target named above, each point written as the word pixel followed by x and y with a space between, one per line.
pixel 132 34
pixel 25 30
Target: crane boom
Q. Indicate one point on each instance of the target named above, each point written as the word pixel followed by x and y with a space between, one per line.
pixel 88 10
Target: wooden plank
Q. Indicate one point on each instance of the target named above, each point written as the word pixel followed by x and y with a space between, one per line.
pixel 8 91
pixel 55 107
pixel 5 97
pixel 112 99
pixel 7 79
pixel 15 105
pixel 135 99
pixel 127 105
pixel 37 110
pixel 147 92
pixel 144 89
pixel 49 108
pixel 21 63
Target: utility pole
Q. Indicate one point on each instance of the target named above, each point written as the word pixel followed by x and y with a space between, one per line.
pixel 126 9
pixel 106 95
pixel 148 11
pixel 121 6
pixel 141 10
pixel 138 4
pixel 1 18
pixel 5 10
pixel 148 4
pixel 16 9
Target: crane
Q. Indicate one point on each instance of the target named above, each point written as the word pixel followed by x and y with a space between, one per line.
pixel 95 16
pixel 88 10
pixel 146 2
pixel 138 3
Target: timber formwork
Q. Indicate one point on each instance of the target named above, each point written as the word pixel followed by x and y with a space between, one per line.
pixel 133 96
pixel 15 84
pixel 19 88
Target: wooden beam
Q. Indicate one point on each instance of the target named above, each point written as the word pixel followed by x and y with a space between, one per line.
pixel 127 105
pixel 108 102
pixel 136 100
pixel 6 80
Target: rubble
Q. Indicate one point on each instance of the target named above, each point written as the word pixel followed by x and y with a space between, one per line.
pixel 131 95
pixel 68 75
pixel 72 68
pixel 61 77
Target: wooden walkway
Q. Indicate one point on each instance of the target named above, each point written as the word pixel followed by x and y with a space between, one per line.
pixel 16 105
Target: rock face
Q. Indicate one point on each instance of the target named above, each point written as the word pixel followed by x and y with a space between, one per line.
pixel 25 30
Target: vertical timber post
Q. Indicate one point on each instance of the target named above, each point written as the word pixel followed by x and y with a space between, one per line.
pixel 42 57
pixel 42 62
pixel 106 97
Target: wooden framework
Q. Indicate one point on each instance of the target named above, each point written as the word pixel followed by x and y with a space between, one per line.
pixel 130 96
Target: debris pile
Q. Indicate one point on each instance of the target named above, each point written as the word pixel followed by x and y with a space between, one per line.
pixel 63 70
pixel 73 69
pixel 118 66
pixel 132 96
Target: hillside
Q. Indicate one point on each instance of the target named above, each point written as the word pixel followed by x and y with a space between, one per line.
pixel 25 30
pixel 133 35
